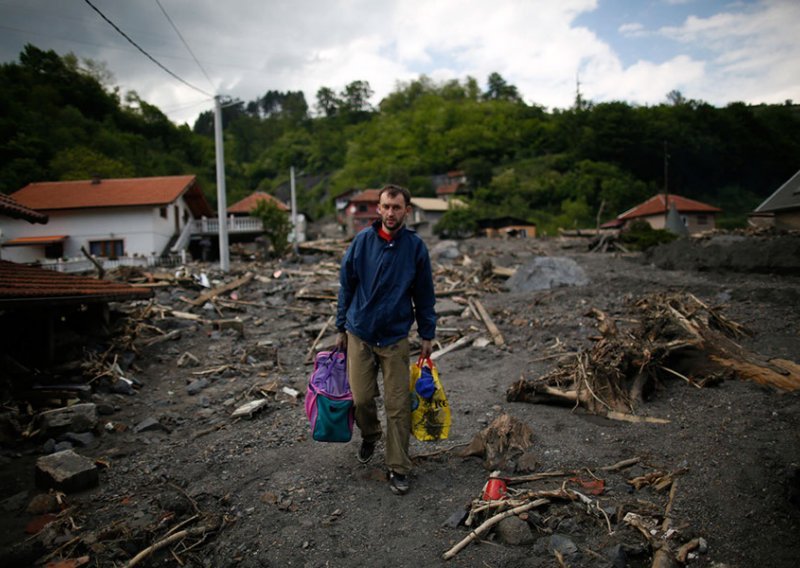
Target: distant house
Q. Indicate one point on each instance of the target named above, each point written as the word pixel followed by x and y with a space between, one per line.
pixel 780 210
pixel 361 210
pixel 251 227
pixel 110 218
pixel 244 207
pixel 427 211
pixel 507 227
pixel 695 215
pixel 341 201
pixel 451 184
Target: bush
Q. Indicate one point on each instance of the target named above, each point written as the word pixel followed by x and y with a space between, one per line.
pixel 457 223
pixel 276 225
pixel 639 235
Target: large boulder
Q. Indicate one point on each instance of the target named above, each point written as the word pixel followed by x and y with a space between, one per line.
pixel 546 272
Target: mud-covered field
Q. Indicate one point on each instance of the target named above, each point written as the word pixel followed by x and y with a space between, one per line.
pixel 273 497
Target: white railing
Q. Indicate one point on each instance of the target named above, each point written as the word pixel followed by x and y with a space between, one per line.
pixel 234 224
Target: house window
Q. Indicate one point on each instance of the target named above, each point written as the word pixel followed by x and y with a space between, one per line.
pixel 702 219
pixel 54 250
pixel 163 212
pixel 362 208
pixel 107 249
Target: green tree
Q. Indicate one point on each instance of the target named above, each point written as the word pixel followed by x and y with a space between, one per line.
pixel 276 225
pixel 457 223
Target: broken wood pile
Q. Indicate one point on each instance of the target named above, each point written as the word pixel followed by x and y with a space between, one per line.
pixel 605 511
pixel 615 512
pixel 677 335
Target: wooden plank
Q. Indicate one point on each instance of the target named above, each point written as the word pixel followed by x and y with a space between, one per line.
pixel 487 321
pixel 206 296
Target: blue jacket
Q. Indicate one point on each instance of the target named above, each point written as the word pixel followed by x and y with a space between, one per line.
pixel 384 285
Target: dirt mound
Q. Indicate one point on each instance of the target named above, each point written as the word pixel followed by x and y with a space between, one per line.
pixel 739 253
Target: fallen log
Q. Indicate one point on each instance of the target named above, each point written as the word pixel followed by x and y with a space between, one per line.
pixel 206 296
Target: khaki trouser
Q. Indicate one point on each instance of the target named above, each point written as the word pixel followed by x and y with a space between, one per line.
pixel 363 362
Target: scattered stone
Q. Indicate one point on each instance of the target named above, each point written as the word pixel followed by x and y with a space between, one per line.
pixel 514 531
pixel 447 307
pixel 616 555
pixel 456 518
pixel 196 386
pixel 122 386
pixel 66 471
pixel 78 438
pixel 43 503
pixel 76 418
pixel 562 544
pixel 149 425
pixel 527 463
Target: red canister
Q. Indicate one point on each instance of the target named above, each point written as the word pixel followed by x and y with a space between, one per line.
pixel 495 489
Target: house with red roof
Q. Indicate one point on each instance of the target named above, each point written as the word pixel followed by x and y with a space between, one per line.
pixel 696 216
pixel 361 210
pixel 451 184
pixel 109 218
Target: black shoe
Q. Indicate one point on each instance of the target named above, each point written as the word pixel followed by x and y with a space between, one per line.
pixel 365 451
pixel 398 483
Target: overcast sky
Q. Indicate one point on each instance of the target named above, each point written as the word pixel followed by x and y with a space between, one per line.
pixel 631 50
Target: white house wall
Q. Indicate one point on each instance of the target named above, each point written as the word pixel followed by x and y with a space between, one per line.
pixel 142 230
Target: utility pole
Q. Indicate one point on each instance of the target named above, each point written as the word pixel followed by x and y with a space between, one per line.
pixel 222 206
pixel 666 184
pixel 294 212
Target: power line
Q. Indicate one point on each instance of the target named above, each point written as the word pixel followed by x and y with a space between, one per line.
pixel 189 49
pixel 150 57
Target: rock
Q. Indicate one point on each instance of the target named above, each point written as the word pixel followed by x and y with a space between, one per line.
pixel 563 544
pixel 78 438
pixel 122 386
pixel 149 425
pixel 546 272
pixel 514 531
pixel 616 555
pixel 76 418
pixel 196 386
pixel 447 307
pixel 43 503
pixel 445 250
pixel 526 463
pixel 66 471
pixel 456 518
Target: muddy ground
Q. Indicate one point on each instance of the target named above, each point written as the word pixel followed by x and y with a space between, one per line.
pixel 285 500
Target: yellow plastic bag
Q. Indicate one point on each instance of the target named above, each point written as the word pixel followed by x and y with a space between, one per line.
pixel 430 412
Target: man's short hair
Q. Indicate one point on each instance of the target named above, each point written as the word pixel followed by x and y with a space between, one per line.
pixel 394 190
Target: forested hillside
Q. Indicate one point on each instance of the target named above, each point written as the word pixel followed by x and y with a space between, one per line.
pixel 552 166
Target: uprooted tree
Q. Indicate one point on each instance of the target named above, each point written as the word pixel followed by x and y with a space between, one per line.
pixel 677 335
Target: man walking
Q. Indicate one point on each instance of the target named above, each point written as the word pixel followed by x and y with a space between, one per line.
pixel 385 284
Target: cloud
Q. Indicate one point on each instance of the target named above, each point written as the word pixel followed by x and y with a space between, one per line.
pixel 754 52
pixel 247 47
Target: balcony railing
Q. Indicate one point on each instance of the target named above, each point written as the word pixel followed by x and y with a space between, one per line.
pixel 234 224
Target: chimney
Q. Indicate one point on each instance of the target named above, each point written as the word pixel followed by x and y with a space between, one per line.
pixel 96 179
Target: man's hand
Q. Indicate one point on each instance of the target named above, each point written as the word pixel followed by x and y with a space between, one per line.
pixel 341 341
pixel 426 349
